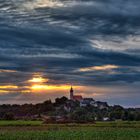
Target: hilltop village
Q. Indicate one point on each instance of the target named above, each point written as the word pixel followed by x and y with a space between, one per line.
pixel 76 109
pixel 87 101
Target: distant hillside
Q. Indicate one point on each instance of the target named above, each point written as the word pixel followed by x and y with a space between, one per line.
pixel 63 109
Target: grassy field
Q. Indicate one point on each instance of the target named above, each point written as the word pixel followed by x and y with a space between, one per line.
pixel 35 130
pixel 20 123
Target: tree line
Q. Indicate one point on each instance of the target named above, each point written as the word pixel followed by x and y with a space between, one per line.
pixel 57 108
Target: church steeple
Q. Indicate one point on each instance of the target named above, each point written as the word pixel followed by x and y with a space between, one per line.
pixel 71 93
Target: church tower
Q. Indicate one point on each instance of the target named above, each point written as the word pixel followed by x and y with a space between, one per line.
pixel 71 93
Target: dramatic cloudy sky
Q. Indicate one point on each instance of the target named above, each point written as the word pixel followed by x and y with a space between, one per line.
pixel 47 45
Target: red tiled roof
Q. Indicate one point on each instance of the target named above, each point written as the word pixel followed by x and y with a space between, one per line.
pixel 77 97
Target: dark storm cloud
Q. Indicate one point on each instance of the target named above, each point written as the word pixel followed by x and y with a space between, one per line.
pixel 101 17
pixel 58 38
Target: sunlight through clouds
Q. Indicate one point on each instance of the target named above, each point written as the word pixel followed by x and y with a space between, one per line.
pixel 42 3
pixel 38 80
pixel 99 68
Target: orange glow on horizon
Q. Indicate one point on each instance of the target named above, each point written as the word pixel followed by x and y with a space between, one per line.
pixel 38 85
pixel 49 87
pixel 5 89
pixel 42 89
pixel 9 87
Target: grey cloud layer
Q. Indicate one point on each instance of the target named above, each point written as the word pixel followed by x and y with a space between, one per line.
pixel 63 36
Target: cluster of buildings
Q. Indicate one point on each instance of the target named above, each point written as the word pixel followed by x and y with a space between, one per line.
pixel 87 101
pixel 70 106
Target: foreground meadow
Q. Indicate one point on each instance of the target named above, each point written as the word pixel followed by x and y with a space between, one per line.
pixel 35 130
